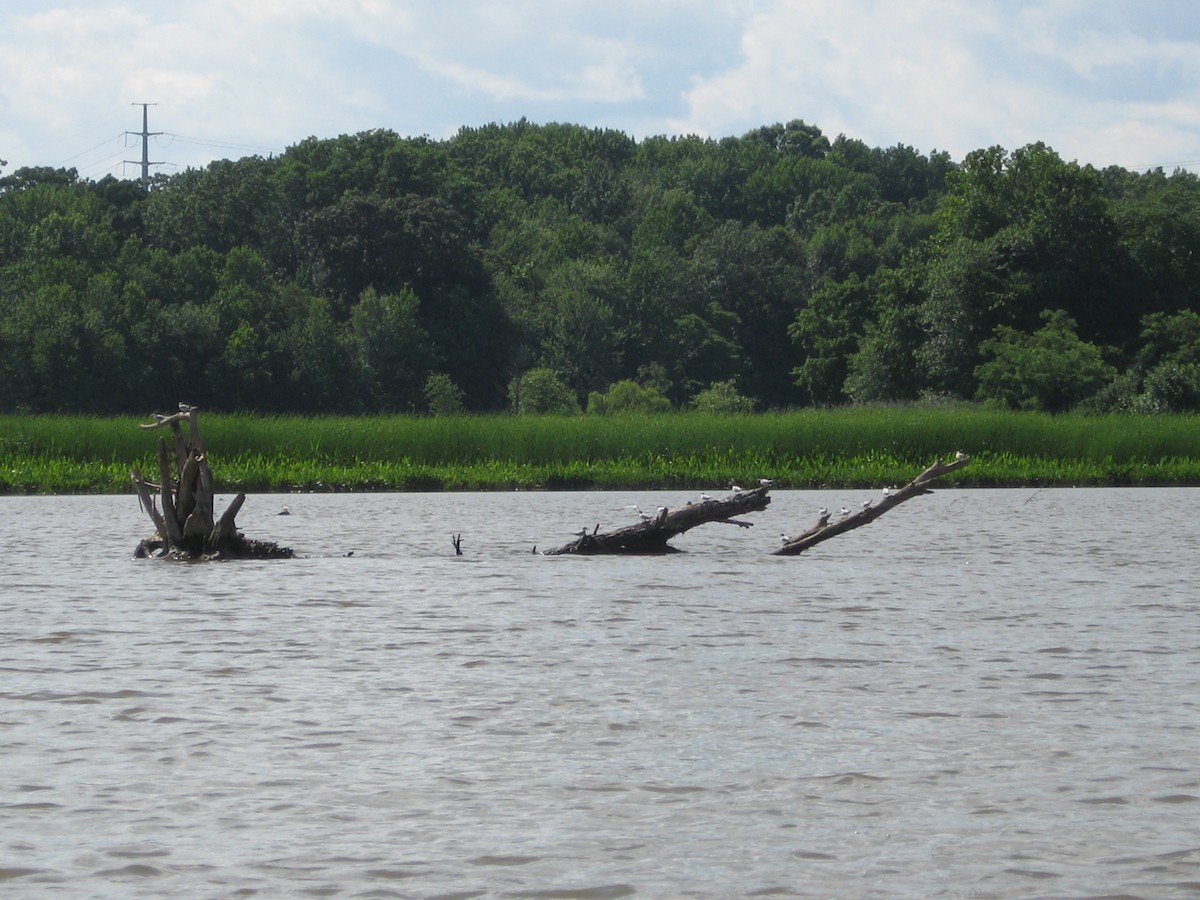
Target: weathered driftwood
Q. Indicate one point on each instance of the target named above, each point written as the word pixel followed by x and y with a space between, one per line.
pixel 651 534
pixel 185 528
pixel 825 529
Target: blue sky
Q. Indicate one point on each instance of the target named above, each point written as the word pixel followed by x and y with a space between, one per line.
pixel 1106 82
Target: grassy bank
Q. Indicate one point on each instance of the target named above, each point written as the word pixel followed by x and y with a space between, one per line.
pixel 852 447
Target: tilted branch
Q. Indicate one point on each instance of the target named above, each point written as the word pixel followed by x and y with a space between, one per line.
pixel 825 529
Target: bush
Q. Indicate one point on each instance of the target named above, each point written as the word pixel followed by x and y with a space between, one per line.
pixel 541 392
pixel 1051 370
pixel 722 397
pixel 627 396
pixel 443 396
pixel 1171 387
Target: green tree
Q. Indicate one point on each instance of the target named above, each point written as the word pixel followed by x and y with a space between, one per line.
pixel 627 396
pixel 796 138
pixel 1170 387
pixel 1162 376
pixel 722 397
pixel 391 349
pixel 1050 370
pixel 755 277
pixel 826 332
pixel 442 396
pixel 540 392
pixel 1158 217
pixel 884 367
pixel 320 373
pixel 1018 234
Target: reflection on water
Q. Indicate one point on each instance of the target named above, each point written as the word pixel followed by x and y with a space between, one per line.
pixel 986 693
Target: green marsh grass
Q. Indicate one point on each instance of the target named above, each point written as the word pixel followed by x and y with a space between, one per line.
pixel 811 448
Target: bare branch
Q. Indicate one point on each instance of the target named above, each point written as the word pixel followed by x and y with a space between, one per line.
pixel 652 533
pixel 825 529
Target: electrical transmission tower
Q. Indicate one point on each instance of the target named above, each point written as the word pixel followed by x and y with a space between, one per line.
pixel 145 135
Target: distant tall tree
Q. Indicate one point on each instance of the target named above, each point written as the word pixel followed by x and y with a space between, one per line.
pixel 392 350
pixel 1018 234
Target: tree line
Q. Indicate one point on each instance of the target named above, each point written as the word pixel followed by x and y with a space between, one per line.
pixel 556 268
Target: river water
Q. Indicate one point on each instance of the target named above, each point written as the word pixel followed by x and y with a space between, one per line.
pixel 981 694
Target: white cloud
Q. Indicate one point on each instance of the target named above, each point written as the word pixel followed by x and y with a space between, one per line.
pixel 1102 81
pixel 956 76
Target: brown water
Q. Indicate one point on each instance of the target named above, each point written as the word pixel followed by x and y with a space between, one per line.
pixel 984 694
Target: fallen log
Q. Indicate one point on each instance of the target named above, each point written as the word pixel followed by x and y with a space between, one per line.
pixel 185 528
pixel 871 510
pixel 652 533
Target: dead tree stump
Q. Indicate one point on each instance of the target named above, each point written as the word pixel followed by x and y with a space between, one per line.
pixel 652 533
pixel 185 526
pixel 871 510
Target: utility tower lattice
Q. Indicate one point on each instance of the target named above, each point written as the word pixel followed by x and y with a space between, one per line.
pixel 145 135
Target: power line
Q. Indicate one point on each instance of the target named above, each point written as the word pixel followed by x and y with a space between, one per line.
pixel 206 142
pixel 90 149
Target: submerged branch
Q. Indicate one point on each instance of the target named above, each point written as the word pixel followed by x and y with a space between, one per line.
pixel 653 532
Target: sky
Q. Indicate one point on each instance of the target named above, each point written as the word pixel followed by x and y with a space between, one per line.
pixel 1102 82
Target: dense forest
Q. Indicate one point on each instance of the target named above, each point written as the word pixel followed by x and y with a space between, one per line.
pixel 545 268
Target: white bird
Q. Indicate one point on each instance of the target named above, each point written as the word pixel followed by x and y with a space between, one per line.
pixel 736 488
pixel 822 512
pixel 705 497
pixel 765 482
pixel 958 454
pixel 844 511
pixel 582 532
pixel 783 538
pixel 887 492
pixel 866 504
